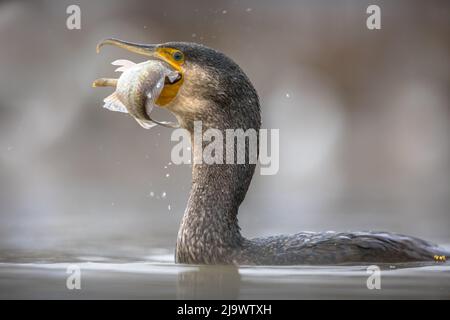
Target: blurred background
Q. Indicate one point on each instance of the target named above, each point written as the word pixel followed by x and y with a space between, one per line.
pixel 364 119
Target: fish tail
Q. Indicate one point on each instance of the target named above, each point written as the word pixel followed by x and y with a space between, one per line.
pixel 104 82
pixel 113 103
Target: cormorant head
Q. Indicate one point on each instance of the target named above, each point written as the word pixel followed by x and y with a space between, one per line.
pixel 211 88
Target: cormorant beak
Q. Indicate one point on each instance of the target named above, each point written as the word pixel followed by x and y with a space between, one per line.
pixel 148 50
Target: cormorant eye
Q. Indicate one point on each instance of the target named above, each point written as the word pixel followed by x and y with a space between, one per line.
pixel 177 56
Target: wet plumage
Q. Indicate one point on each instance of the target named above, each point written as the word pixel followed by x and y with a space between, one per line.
pixel 217 92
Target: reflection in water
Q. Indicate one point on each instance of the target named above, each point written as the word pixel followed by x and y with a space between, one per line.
pixel 209 282
pixel 43 275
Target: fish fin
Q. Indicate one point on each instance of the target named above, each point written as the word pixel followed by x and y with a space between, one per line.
pixel 146 124
pixel 113 103
pixel 123 64
pixel 166 124
pixel 121 69
pixel 149 105
pixel 153 95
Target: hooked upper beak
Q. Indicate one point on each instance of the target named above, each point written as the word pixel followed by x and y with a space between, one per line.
pixel 148 50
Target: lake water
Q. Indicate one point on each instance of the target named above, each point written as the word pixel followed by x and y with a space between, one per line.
pixel 43 275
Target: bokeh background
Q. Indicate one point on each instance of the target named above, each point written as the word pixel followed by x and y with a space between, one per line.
pixel 364 119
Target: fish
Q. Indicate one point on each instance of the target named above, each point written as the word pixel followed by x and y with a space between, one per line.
pixel 138 88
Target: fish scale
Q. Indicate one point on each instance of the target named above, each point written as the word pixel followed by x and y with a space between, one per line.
pixel 138 88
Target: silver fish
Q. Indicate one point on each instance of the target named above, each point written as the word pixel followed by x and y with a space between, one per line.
pixel 137 89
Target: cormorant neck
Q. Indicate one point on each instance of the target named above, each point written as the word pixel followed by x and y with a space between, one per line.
pixel 209 231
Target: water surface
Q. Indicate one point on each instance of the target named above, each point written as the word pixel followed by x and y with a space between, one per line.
pixel 43 275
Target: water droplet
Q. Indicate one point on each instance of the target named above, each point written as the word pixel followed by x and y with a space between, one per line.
pixel 168 207
pixel 165 167
pixel 288 95
pixel 163 195
pixel 224 11
pixel 194 35
pixel 248 9
pixel 167 175
pixel 152 194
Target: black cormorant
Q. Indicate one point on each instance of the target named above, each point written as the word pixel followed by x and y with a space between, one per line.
pixel 213 89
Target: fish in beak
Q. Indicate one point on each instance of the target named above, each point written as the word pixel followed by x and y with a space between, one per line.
pixel 140 85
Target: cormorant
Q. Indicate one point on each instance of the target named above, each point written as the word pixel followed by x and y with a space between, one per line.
pixel 213 89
